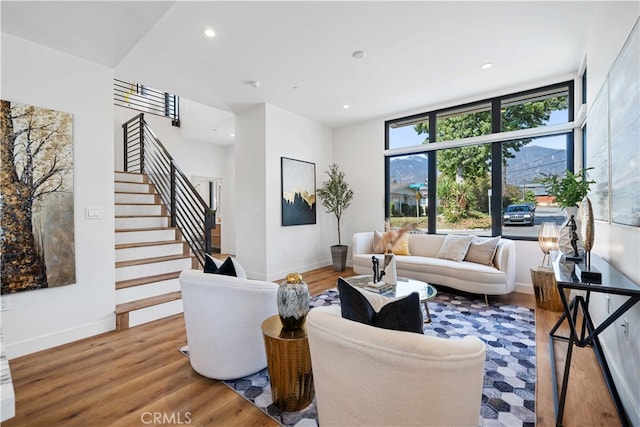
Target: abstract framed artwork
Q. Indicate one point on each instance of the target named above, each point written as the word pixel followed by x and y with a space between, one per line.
pixel 37 244
pixel 624 132
pixel 597 148
pixel 298 192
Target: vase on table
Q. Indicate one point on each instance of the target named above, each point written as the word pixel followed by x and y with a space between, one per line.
pixel 391 276
pixel 293 302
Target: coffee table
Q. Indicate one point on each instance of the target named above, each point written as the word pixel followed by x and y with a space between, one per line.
pixel 404 286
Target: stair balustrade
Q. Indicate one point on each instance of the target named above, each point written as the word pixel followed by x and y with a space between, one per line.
pixel 144 153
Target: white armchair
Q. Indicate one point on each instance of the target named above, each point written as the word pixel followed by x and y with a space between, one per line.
pixel 370 376
pixel 223 315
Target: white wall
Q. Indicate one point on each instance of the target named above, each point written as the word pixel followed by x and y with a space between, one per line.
pixel 250 190
pixel 265 248
pixel 228 205
pixel 44 77
pixel 618 244
pixel 299 247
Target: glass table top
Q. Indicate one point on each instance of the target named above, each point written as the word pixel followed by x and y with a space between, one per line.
pixel 404 286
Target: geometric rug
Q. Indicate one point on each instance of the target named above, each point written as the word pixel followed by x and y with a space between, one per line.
pixel 509 332
pixel 508 397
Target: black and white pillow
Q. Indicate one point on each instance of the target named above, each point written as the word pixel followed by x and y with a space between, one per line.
pixel 400 314
pixel 226 268
pixel 212 264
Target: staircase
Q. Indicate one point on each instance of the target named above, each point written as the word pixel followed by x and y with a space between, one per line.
pixel 150 254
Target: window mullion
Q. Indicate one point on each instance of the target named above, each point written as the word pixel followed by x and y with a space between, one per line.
pixel 432 180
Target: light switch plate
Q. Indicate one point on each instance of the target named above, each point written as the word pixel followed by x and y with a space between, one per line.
pixel 93 212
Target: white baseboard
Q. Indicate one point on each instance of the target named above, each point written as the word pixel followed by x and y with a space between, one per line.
pixel 44 342
pixel 299 268
pixel 524 288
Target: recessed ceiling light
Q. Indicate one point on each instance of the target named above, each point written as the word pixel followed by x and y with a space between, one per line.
pixel 486 66
pixel 209 32
pixel 345 106
pixel 359 54
pixel 232 135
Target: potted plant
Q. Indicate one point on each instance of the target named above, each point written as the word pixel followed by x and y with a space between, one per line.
pixel 336 196
pixel 569 189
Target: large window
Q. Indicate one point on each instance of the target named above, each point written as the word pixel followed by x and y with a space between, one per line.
pixel 467 122
pixel 410 132
pixel 476 168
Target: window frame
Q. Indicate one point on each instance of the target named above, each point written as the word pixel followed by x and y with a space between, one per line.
pixel 496 139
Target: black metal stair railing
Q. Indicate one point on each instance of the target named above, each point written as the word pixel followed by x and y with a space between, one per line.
pixel 144 98
pixel 143 152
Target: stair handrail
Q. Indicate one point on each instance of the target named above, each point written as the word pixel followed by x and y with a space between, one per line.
pixel 144 153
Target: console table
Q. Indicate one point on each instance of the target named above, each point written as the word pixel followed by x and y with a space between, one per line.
pixel 586 333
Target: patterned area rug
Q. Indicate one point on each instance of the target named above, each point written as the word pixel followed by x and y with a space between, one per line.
pixel 510 372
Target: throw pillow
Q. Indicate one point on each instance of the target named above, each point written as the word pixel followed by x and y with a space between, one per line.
pixel 226 268
pixel 400 314
pixel 482 251
pixel 399 247
pixel 378 242
pixel 215 263
pixel 454 247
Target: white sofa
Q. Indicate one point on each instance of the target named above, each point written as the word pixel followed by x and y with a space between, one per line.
pixel 368 376
pixel 422 264
pixel 223 317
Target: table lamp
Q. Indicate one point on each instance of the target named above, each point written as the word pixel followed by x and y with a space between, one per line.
pixel 548 239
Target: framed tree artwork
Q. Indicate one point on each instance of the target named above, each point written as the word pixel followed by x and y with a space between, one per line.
pixel 37 243
pixel 298 192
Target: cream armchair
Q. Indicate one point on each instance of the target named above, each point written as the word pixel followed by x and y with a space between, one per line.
pixel 223 315
pixel 369 376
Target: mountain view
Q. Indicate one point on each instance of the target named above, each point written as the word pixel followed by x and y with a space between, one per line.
pixel 530 162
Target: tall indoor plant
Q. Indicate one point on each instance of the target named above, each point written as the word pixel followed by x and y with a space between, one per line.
pixel 336 196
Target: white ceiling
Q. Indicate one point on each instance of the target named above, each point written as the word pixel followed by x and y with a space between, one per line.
pixel 418 53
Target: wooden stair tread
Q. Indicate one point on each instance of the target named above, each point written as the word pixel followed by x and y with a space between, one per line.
pixel 138 204
pixel 131 182
pixel 150 192
pixel 122 230
pixel 152 260
pixel 130 283
pixel 147 302
pixel 145 244
pixel 142 216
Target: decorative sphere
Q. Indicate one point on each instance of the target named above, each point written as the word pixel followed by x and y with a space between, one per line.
pixel 294 278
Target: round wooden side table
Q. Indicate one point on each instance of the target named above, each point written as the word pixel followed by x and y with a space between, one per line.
pixel 289 363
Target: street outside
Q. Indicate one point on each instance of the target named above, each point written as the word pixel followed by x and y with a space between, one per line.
pixel 543 214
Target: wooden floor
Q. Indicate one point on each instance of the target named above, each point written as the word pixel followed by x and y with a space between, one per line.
pixel 127 378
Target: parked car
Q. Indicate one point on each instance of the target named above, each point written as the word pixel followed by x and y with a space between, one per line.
pixel 519 214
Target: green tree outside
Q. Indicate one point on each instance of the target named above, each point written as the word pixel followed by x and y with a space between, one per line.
pixel 471 164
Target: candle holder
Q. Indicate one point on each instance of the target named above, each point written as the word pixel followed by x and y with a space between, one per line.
pixel 548 239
